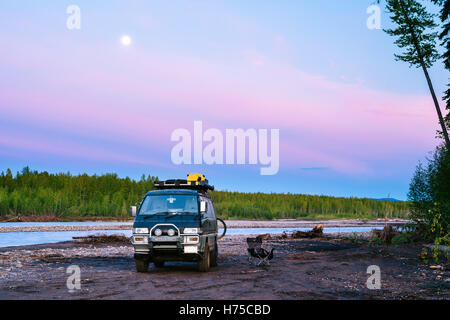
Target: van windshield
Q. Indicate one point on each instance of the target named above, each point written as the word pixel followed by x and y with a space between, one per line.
pixel 169 204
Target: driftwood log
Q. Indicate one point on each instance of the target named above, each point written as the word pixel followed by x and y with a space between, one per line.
pixel 386 234
pixel 103 238
pixel 316 232
pixel 265 236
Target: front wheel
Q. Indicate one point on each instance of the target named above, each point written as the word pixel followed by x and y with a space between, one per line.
pixel 204 264
pixel 141 265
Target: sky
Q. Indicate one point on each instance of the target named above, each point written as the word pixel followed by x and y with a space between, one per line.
pixel 352 120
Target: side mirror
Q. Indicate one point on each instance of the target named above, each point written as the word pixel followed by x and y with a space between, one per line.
pixel 203 206
pixel 133 211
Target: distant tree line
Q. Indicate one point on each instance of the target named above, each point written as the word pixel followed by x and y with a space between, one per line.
pixel 65 195
pixel 76 196
pixel 276 206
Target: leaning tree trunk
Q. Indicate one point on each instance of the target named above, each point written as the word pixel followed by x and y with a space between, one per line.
pixel 436 104
pixel 427 76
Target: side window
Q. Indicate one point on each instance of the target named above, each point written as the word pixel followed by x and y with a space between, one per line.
pixel 207 204
pixel 211 211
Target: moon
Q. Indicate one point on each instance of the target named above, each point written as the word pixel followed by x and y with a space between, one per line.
pixel 125 40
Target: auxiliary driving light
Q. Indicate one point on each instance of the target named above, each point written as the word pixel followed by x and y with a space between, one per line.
pixel 158 232
pixel 171 232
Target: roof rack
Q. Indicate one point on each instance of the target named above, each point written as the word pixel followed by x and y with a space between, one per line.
pixel 194 181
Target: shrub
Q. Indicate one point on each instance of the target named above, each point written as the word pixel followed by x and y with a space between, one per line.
pixel 429 197
pixel 401 239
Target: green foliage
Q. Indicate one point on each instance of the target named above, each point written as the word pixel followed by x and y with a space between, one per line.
pixel 376 241
pixel 442 235
pixel 424 255
pixel 419 194
pixel 299 206
pixel 401 239
pixel 429 196
pixel 354 238
pixel 413 31
pixel 444 36
pixel 65 196
pixel 429 193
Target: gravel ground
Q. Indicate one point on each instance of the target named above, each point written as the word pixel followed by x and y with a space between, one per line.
pixel 301 269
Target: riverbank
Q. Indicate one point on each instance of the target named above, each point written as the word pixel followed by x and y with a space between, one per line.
pixel 326 268
pixel 285 223
pixel 44 218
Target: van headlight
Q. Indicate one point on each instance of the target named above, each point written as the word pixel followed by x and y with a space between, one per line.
pixel 190 230
pixel 140 230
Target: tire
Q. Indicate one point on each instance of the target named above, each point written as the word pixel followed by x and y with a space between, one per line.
pixel 204 264
pixel 214 255
pixel 224 229
pixel 159 263
pixel 141 265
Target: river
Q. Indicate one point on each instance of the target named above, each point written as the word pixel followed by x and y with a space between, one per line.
pixel 32 238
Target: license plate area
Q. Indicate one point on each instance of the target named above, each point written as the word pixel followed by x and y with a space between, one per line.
pixel 190 249
pixel 164 239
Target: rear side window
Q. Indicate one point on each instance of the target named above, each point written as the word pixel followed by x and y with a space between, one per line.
pixel 210 208
pixel 210 211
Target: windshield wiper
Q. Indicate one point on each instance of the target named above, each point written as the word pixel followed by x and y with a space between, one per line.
pixel 180 213
pixel 155 214
pixel 167 213
pixel 173 215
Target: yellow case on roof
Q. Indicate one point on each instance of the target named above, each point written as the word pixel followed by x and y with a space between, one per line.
pixel 195 177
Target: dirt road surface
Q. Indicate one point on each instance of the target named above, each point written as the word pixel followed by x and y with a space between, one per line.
pixel 301 269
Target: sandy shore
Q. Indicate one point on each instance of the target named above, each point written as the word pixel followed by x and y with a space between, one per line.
pixel 230 224
pixel 301 269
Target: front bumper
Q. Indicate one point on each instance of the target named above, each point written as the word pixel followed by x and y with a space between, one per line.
pixel 177 246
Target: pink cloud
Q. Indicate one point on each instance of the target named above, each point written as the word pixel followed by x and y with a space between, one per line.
pixel 141 97
pixel 75 150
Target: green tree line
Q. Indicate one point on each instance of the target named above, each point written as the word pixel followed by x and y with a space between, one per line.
pixel 64 195
pixel 67 196
pixel 279 206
